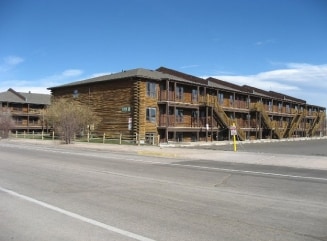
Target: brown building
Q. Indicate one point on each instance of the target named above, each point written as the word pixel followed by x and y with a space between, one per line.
pixel 182 107
pixel 26 109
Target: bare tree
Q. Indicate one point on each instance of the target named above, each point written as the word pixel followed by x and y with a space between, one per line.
pixel 6 124
pixel 69 118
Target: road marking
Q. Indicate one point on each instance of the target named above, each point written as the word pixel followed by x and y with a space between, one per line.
pixel 192 166
pixel 231 170
pixel 77 216
pixel 252 172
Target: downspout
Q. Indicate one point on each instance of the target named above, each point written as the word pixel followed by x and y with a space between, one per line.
pixel 167 111
pixel 207 123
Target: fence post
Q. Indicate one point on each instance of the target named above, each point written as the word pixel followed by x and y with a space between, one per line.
pixel 16 134
pixel 104 137
pixel 120 137
pixel 33 135
pixel 42 135
pixel 158 140
pixel 53 135
pixel 88 136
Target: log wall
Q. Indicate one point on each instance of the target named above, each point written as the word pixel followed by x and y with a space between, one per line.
pixel 112 101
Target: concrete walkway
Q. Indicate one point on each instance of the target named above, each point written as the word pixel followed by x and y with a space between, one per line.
pixel 182 153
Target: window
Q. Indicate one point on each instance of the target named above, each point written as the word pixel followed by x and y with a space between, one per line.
pixel 179 136
pixel 221 98
pixel 151 89
pixel 179 92
pixel 151 114
pixel 179 115
pixel 194 95
pixel 270 105
pixel 195 113
pixel 280 107
pixel 231 100
pixel 75 93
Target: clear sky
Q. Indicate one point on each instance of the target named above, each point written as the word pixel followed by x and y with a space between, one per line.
pixel 278 45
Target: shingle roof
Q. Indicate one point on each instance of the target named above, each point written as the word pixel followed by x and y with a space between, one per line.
pixel 28 98
pixel 224 85
pixel 286 97
pixel 141 73
pixel 183 75
pixel 256 91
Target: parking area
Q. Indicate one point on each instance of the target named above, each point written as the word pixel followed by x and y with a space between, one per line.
pixel 308 147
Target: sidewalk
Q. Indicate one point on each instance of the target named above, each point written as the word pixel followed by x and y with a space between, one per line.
pixel 173 153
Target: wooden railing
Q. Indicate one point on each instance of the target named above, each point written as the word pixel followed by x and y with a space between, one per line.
pixel 294 124
pixel 270 125
pixel 316 123
pixel 227 122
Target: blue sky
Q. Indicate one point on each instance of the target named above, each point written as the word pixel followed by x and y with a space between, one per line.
pixel 278 45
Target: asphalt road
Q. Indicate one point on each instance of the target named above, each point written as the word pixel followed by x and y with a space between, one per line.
pixel 53 193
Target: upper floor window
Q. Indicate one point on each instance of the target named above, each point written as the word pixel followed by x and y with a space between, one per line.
pixel 270 105
pixel 231 100
pixel 179 115
pixel 75 93
pixel 179 92
pixel 248 101
pixel 280 105
pixel 221 98
pixel 194 95
pixel 151 114
pixel 151 89
pixel 195 113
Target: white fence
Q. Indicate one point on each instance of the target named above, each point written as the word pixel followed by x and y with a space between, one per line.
pixel 113 138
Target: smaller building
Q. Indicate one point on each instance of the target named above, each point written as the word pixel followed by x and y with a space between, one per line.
pixel 26 109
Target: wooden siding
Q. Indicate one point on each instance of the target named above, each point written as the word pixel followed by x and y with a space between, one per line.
pixel 111 101
pixel 258 116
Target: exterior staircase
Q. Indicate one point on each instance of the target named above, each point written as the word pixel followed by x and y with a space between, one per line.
pixel 321 117
pixel 293 124
pixel 266 119
pixel 222 118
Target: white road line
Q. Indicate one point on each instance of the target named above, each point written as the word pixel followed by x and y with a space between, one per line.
pixel 232 170
pixel 77 216
pixel 195 166
pixel 253 172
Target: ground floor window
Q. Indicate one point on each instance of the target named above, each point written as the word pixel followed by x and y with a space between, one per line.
pixel 179 137
pixel 151 114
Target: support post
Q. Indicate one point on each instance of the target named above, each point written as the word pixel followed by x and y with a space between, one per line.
pixel 234 133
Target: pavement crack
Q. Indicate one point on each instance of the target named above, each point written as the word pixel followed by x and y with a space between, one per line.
pixel 223 182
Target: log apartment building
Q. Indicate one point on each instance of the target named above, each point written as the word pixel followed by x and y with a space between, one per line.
pixel 179 107
pixel 25 109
